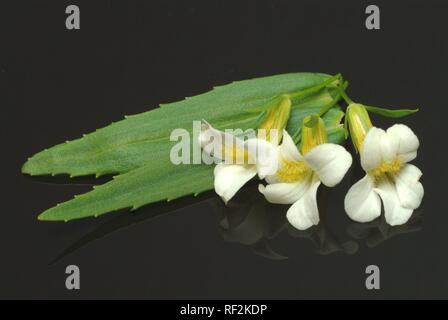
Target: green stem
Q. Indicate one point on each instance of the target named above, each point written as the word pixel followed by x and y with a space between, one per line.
pixel 345 96
pixel 316 88
pixel 334 101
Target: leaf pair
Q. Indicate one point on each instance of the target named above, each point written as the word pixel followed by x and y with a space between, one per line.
pixel 136 150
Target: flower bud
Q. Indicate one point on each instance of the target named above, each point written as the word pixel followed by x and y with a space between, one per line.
pixel 359 123
pixel 271 128
pixel 313 133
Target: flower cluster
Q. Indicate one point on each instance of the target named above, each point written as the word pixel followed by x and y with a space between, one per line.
pixel 293 173
pixel 389 176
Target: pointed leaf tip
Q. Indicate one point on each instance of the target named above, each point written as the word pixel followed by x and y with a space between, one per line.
pixel 391 113
pixel 44 216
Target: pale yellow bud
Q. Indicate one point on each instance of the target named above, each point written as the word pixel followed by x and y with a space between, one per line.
pixel 275 120
pixel 359 123
pixel 313 133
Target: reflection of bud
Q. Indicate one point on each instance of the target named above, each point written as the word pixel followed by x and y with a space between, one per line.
pixel 313 133
pixel 271 128
pixel 359 123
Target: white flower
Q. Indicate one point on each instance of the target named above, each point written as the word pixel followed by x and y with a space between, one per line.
pixel 298 177
pixel 384 157
pixel 239 160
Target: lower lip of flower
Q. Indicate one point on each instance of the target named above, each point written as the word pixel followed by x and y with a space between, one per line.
pixel 292 171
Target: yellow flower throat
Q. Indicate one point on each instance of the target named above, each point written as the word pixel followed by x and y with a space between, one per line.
pixel 386 168
pixel 292 171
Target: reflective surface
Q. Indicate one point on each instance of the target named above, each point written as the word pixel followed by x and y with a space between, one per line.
pixel 129 57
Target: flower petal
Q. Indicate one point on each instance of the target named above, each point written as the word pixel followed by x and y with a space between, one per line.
pixel 377 147
pixel 406 140
pixel 304 212
pixel 394 213
pixel 215 143
pixel 284 193
pixel 361 203
pixel 371 149
pixel 264 154
pixel 330 162
pixel 410 190
pixel 288 150
pixel 271 179
pixel 229 178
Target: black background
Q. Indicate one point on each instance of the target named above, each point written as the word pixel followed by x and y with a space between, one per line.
pixel 129 56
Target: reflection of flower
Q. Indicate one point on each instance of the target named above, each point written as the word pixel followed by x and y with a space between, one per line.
pixel 250 221
pixel 325 241
pixel 253 222
pixel 298 176
pixel 378 231
pixel 384 157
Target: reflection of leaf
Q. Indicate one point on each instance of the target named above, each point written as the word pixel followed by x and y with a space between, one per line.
pixel 251 221
pixel 124 221
pixel 264 249
pixel 138 147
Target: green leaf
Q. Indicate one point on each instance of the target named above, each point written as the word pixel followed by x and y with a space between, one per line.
pixel 139 146
pixel 335 129
pixel 391 113
pixel 313 105
pixel 144 138
pixel 155 182
pixel 160 181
